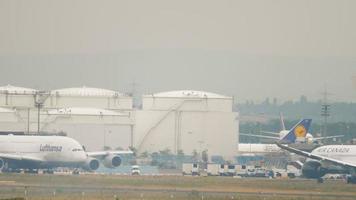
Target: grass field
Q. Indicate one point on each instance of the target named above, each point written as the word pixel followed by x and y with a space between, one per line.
pixel 167 187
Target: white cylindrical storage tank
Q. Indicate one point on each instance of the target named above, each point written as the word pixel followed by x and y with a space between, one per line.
pixel 89 97
pixel 187 121
pixel 15 105
pixel 95 128
pixel 17 97
pixel 192 100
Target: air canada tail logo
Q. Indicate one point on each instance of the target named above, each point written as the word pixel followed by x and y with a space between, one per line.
pixel 300 131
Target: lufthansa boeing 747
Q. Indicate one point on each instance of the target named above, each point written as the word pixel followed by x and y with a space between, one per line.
pixel 298 134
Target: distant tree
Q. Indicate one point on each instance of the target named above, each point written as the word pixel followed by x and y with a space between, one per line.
pixel 154 162
pixel 303 99
pixel 180 153
pixel 165 152
pixel 294 110
pixel 266 102
pixel 119 148
pixel 144 154
pixel 134 150
pixel 154 154
pixel 62 133
pixel 275 101
pixel 205 156
pixel 195 155
pixel 106 148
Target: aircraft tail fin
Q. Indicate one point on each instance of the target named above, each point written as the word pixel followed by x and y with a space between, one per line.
pixel 300 130
pixel 283 127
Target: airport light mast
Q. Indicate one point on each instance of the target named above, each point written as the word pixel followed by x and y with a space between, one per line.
pixel 40 98
pixel 325 112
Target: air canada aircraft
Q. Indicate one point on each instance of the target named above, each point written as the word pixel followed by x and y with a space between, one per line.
pixel 327 159
pixel 48 152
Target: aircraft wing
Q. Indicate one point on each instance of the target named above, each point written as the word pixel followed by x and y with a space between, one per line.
pixel 316 157
pixel 19 157
pixel 269 132
pixel 260 136
pixel 328 137
pixel 106 153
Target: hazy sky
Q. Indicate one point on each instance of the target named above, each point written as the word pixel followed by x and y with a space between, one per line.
pixel 249 49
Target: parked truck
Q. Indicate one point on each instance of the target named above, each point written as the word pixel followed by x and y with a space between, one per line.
pixel 241 170
pixel 135 170
pixel 231 170
pixel 191 169
pixel 214 169
pixel 222 170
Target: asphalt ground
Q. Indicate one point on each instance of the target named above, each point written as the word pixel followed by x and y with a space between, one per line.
pixel 30 186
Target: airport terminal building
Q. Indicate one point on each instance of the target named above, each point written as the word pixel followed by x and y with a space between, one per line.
pixel 181 121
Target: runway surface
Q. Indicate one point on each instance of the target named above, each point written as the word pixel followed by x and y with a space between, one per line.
pixel 167 187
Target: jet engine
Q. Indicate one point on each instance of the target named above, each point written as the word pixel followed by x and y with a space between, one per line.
pixel 112 161
pixel 313 169
pixel 91 164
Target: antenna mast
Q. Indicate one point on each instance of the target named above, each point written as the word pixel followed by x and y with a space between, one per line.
pixel 134 85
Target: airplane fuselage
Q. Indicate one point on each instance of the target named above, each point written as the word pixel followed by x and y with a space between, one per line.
pixel 346 153
pixel 52 151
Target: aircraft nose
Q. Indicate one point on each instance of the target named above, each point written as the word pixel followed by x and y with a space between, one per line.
pixel 83 156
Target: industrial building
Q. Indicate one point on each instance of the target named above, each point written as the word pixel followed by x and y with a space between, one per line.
pixel 181 121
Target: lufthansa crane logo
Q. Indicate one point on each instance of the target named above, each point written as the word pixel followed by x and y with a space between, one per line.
pixel 300 131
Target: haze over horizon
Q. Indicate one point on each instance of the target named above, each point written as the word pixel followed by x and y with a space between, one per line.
pixel 247 49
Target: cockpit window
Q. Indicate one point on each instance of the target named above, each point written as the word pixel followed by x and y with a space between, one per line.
pixel 77 150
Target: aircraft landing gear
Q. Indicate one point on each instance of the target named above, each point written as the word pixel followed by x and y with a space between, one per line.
pixel 48 171
pixel 31 171
pixel 75 172
pixel 10 170
pixel 320 180
pixel 351 180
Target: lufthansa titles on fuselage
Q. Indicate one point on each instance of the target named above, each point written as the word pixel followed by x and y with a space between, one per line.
pixel 333 150
pixel 50 148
